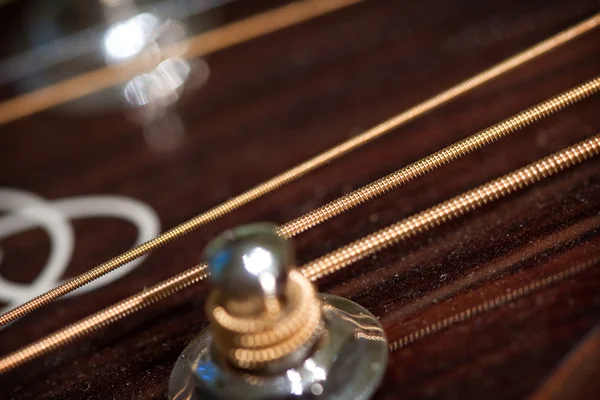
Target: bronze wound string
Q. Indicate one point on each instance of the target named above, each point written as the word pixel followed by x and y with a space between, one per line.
pixel 304 168
pixel 336 260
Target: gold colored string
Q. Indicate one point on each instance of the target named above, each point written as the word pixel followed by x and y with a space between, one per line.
pixel 496 302
pixel 302 169
pixel 197 46
pixel 451 209
pixel 439 158
pixel 335 260
pixel 106 317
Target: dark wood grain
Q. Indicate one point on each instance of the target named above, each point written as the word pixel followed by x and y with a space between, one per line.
pixel 575 378
pixel 280 99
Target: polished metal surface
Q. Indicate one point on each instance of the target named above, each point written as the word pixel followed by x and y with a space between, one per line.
pixel 348 362
pixel 249 263
pixel 271 335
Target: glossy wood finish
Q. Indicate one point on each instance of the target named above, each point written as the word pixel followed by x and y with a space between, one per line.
pixel 576 377
pixel 278 100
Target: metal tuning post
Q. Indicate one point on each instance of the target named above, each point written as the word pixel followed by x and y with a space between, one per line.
pixel 271 336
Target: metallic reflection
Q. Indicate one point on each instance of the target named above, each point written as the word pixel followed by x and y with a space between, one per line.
pixel 152 39
pixel 152 95
pixel 324 373
pixel 295 382
pixel 128 38
pixel 318 372
pixel 160 86
pixel 67 47
pixel 353 318
pixel 362 335
pixel 257 261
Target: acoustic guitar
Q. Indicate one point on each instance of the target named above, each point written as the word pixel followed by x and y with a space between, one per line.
pixel 431 165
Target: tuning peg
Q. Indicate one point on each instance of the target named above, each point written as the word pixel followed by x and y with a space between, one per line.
pixel 271 335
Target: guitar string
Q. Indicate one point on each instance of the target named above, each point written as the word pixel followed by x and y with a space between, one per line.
pixel 440 158
pixel 334 261
pixel 303 168
pixel 197 46
pixel 508 262
pixel 451 209
pixel 510 296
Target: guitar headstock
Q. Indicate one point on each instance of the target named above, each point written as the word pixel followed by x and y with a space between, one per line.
pixel 88 178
